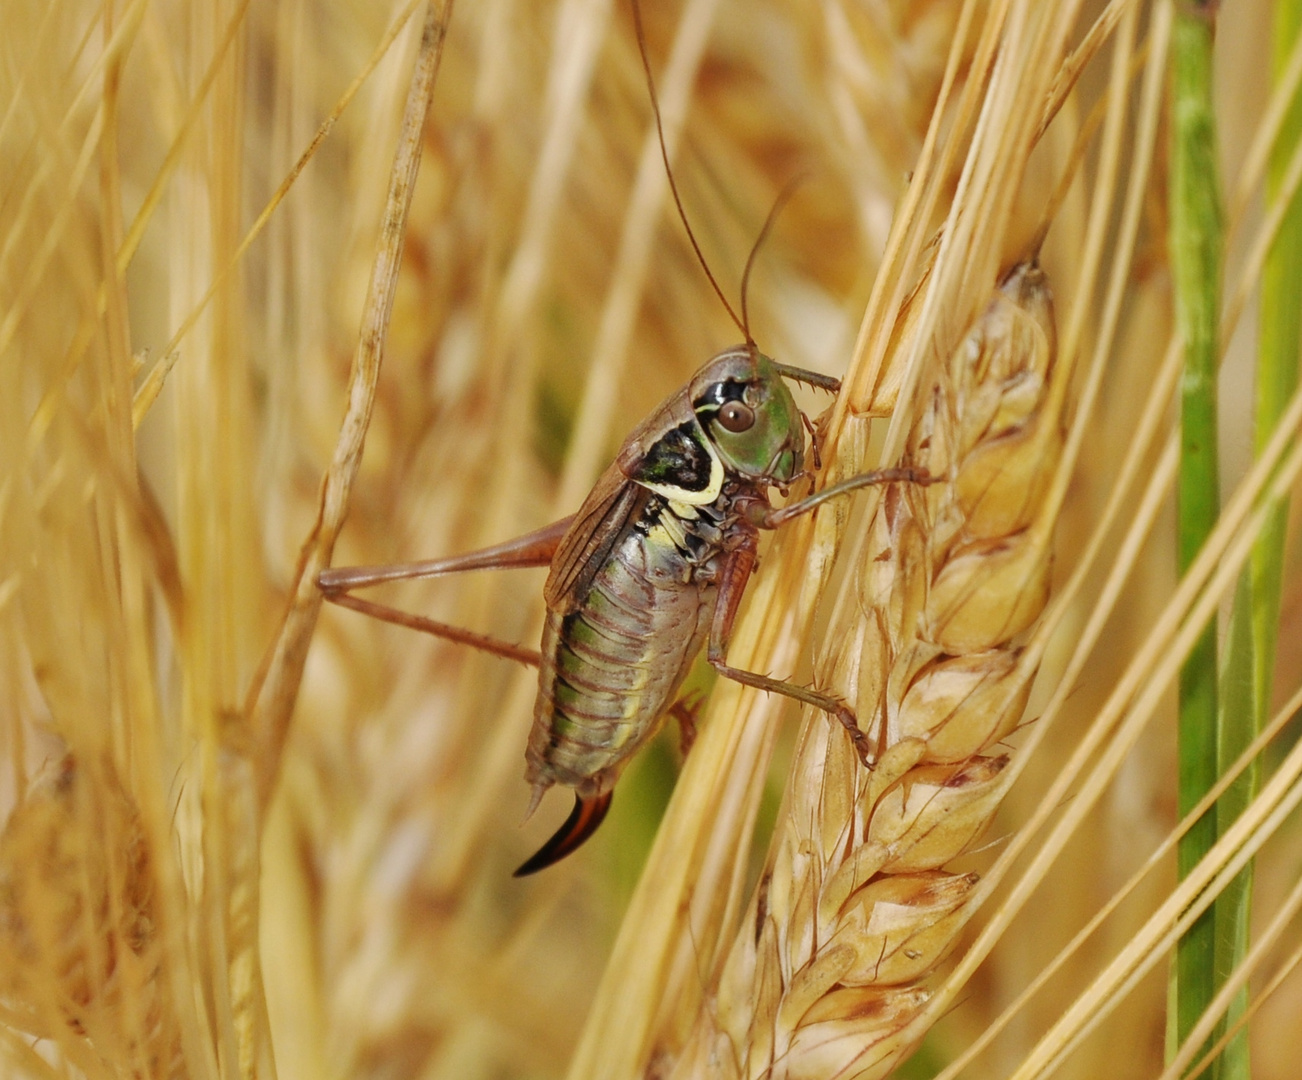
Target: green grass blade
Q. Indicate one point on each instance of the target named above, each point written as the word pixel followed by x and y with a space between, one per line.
pixel 1250 665
pixel 1196 246
pixel 1239 722
pixel 1277 370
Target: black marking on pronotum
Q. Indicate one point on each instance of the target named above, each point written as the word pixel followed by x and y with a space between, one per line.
pixel 677 459
pixel 719 394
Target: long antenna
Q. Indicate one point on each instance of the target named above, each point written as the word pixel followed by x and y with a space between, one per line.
pixel 673 186
pixel 784 197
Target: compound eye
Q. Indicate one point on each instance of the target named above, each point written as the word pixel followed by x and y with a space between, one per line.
pixel 735 416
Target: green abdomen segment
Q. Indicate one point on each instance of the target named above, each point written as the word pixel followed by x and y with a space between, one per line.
pixel 611 668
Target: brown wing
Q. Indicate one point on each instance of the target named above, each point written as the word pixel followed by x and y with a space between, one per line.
pixel 611 505
pixel 673 411
pixel 602 520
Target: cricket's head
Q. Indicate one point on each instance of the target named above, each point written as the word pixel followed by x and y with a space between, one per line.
pixel 748 414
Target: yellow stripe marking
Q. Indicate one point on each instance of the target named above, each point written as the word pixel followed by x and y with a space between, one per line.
pixel 693 498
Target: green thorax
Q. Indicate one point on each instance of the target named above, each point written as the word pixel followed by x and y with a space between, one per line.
pixel 735 419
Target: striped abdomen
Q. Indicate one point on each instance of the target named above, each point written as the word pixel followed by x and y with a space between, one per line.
pixel 612 666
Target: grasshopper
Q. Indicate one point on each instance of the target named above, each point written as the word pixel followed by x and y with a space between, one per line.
pixel 651 569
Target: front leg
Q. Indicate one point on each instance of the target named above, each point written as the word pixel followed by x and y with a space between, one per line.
pixel 765 517
pixel 733 575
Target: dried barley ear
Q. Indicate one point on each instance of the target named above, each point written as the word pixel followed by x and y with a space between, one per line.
pixel 857 906
pixel 77 923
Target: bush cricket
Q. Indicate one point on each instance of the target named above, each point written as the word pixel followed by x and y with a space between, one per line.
pixel 651 568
